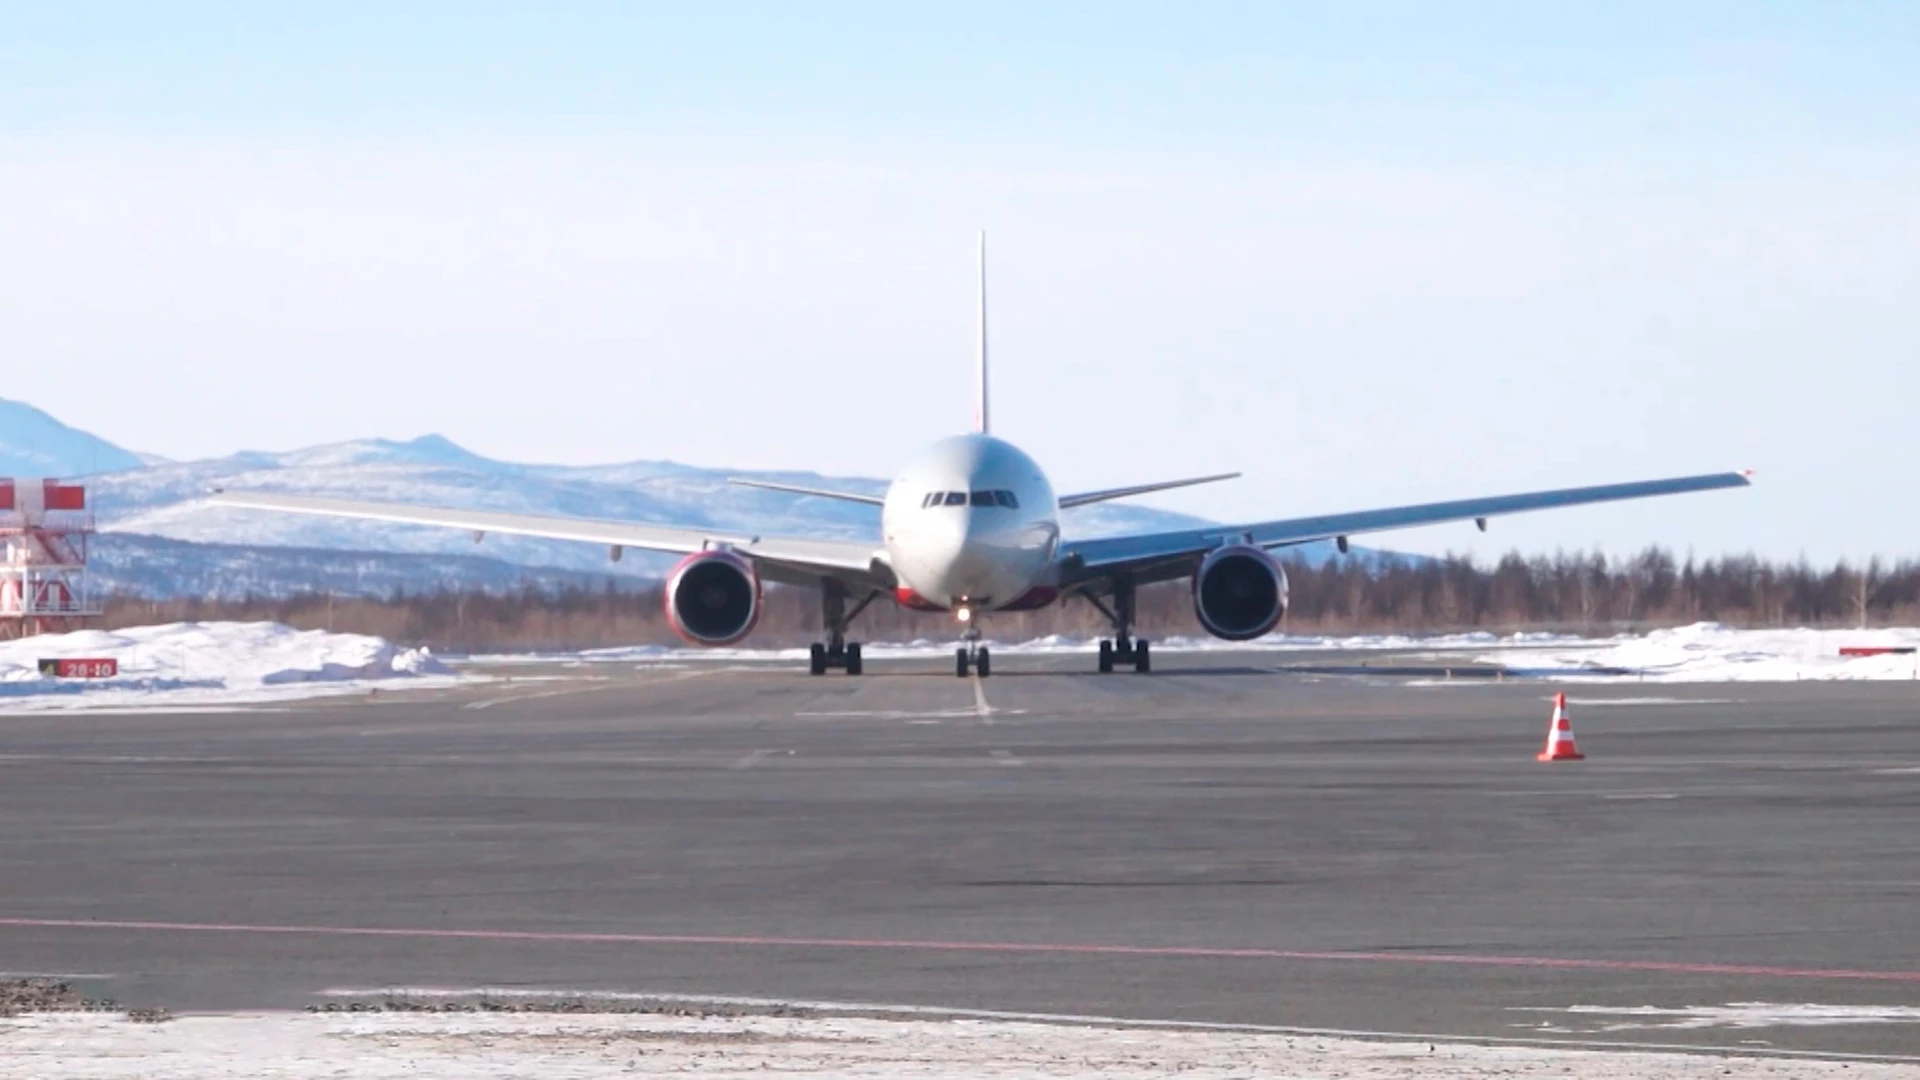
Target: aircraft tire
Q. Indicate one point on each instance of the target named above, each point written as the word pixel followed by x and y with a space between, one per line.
pixel 1142 661
pixel 983 664
pixel 817 659
pixel 1106 657
pixel 853 658
pixel 960 662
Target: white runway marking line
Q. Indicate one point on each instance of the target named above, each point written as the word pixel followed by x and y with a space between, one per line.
pixel 889 714
pixel 1588 703
pixel 1569 794
pixel 1735 1014
pixel 980 705
pixel 514 699
pixel 935 1012
pixel 1005 757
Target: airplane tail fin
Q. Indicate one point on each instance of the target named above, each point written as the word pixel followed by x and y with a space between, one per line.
pixel 981 422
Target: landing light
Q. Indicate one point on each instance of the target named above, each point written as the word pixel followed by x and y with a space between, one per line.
pixel 963 614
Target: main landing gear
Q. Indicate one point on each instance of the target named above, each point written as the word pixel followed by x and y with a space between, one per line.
pixel 836 651
pixel 1122 648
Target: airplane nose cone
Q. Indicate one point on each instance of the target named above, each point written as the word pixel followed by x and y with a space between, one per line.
pixel 963 559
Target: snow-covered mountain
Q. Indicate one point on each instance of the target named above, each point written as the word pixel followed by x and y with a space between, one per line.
pixel 159 568
pixel 168 501
pixel 161 537
pixel 35 444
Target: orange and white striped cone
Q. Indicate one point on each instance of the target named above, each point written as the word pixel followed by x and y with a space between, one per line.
pixel 1560 745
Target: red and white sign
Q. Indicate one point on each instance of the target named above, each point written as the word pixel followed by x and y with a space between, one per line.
pixel 72 667
pixel 61 496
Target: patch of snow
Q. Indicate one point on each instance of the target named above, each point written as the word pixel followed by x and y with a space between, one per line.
pixel 206 663
pixel 1710 652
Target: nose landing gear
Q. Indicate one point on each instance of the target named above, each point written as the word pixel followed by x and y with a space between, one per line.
pixel 971 654
pixel 1123 648
pixel 837 651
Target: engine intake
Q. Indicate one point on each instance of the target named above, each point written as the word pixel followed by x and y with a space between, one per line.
pixel 713 598
pixel 1239 592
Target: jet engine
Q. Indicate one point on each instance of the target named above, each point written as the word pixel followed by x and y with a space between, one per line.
pixel 713 598
pixel 1239 592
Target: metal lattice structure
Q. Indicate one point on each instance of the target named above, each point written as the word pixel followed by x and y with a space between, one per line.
pixel 44 530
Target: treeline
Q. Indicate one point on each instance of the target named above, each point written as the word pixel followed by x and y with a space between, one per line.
pixel 1574 592
pixel 1593 592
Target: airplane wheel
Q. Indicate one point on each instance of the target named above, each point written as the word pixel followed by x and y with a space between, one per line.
pixel 960 662
pixel 982 664
pixel 1142 663
pixel 1106 657
pixel 817 659
pixel 853 658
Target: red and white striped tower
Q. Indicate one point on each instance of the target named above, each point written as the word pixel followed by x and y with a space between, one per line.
pixel 44 526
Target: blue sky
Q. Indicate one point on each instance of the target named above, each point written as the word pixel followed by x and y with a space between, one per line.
pixel 1364 253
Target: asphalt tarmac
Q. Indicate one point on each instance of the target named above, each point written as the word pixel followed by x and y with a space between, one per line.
pixel 1348 843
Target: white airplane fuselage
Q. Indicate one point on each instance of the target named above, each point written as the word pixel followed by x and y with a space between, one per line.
pixel 972 523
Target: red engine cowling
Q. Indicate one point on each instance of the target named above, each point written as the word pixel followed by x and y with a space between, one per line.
pixel 713 598
pixel 1239 592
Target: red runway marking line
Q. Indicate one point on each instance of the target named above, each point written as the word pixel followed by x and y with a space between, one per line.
pixel 1005 947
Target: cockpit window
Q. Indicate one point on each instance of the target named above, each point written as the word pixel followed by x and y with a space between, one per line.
pixel 996 497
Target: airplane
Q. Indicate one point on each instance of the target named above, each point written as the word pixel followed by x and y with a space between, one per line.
pixel 972 526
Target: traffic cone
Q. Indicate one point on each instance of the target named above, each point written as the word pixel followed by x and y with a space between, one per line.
pixel 1560 745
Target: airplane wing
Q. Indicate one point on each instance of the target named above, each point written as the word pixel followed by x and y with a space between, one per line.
pixel 785 559
pixel 1082 498
pixel 1163 556
pixel 823 493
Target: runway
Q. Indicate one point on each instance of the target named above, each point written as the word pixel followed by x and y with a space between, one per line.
pixel 1235 839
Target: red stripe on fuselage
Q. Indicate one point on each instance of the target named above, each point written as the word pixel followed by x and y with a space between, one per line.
pixel 907 598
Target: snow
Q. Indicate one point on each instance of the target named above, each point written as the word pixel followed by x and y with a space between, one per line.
pixel 208 663
pixel 1054 645
pixel 1701 653
pixel 1712 653
pixel 483 1046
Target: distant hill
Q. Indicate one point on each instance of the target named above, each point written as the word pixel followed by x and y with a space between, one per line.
pixel 163 538
pixel 35 444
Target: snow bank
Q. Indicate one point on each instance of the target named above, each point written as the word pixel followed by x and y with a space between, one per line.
pixel 1703 652
pixel 1052 644
pixel 379 1046
pixel 1710 652
pixel 201 662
